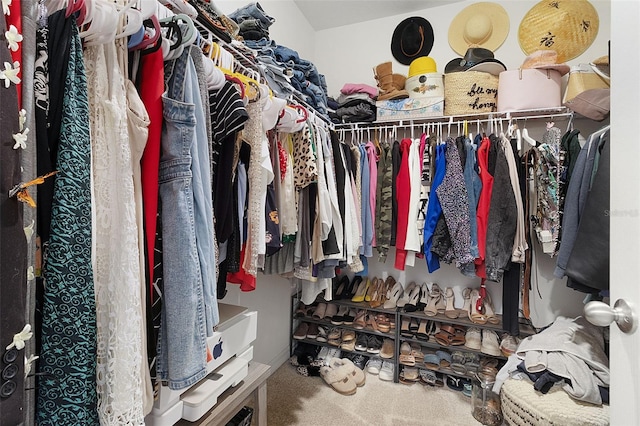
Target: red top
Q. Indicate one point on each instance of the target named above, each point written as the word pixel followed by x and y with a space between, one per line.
pixel 482 215
pixel 403 194
pixel 151 87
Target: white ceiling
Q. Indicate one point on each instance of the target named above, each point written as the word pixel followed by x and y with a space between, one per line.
pixel 330 14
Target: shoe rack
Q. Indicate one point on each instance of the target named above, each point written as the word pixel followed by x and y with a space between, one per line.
pixel 424 338
pixel 429 343
pixel 367 330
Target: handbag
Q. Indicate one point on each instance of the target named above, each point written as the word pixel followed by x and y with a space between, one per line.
pixel 526 89
pixel 581 78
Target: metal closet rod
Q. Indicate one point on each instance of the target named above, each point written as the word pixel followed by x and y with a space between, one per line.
pixel 449 121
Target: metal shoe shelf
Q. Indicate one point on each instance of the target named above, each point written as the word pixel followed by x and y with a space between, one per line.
pixel 393 334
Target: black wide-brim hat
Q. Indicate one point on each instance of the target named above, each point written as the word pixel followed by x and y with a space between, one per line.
pixel 412 39
pixel 476 59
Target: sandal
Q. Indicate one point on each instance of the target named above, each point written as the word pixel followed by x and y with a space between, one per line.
pixel 427 377
pixel 492 318
pixel 445 360
pixel 458 363
pixel 474 315
pixel 431 309
pixel 405 296
pixel 414 297
pixel 464 312
pixel 440 303
pixel 404 328
pixel 355 373
pixel 445 335
pixel 360 320
pixel 424 298
pixel 431 361
pixel 339 379
pixel 422 333
pixel 416 351
pixel 450 311
pixel 383 323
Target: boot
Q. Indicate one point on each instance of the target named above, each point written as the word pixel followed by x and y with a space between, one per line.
pixel 399 81
pixel 384 76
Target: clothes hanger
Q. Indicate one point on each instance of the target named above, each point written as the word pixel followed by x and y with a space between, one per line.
pixel 526 137
pixel 103 26
pixel 134 20
pixel 150 26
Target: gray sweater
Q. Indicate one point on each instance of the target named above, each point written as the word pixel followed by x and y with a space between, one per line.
pixel 573 349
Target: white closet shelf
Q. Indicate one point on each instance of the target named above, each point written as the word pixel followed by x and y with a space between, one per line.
pixel 533 114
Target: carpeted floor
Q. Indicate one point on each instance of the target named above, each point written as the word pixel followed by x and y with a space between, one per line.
pixel 297 400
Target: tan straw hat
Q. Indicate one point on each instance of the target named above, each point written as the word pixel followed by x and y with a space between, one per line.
pixel 481 24
pixel 566 26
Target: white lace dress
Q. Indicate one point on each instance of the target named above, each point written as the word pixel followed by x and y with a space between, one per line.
pixel 115 244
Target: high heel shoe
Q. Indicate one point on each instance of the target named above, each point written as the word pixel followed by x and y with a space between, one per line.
pixel 379 296
pixel 404 299
pixel 363 287
pixel 424 298
pixel 393 296
pixel 441 306
pixel 431 310
pixel 353 287
pixel 492 318
pixel 373 286
pixel 476 316
pixel 450 311
pixel 414 297
pixel 341 288
pixel 464 312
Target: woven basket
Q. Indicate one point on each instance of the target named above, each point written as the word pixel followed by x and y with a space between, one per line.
pixel 470 92
pixel 522 405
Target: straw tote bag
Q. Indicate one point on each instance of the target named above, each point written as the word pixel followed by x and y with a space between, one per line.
pixel 581 78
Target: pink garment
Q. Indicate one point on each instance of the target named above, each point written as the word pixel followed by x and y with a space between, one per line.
pixel 350 88
pixel 372 154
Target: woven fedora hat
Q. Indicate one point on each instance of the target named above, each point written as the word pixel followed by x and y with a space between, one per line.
pixel 566 26
pixel 412 38
pixel 483 24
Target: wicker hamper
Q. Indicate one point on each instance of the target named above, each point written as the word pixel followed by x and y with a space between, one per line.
pixel 470 92
pixel 522 405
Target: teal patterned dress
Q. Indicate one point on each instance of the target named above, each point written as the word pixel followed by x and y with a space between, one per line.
pixel 67 386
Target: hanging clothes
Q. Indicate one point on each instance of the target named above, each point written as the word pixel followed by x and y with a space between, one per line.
pixel 67 359
pixel 484 202
pixel 182 350
pixel 434 210
pixel 403 193
pixel 13 254
pixel 383 202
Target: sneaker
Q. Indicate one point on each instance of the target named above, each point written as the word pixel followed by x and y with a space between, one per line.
pixel 361 343
pixel 386 372
pixel 509 345
pixel 322 355
pixel 454 383
pixel 472 338
pixel 490 345
pixel 333 353
pixel 359 360
pixel 374 344
pixel 466 387
pixel 374 365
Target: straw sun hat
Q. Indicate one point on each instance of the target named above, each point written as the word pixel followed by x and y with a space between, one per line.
pixel 566 26
pixel 483 24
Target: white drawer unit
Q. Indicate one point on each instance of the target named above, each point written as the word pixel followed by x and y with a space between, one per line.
pixel 231 349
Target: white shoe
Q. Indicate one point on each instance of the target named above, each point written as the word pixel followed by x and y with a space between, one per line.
pixel 393 295
pixel 386 372
pixel 374 365
pixel 333 353
pixel 490 345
